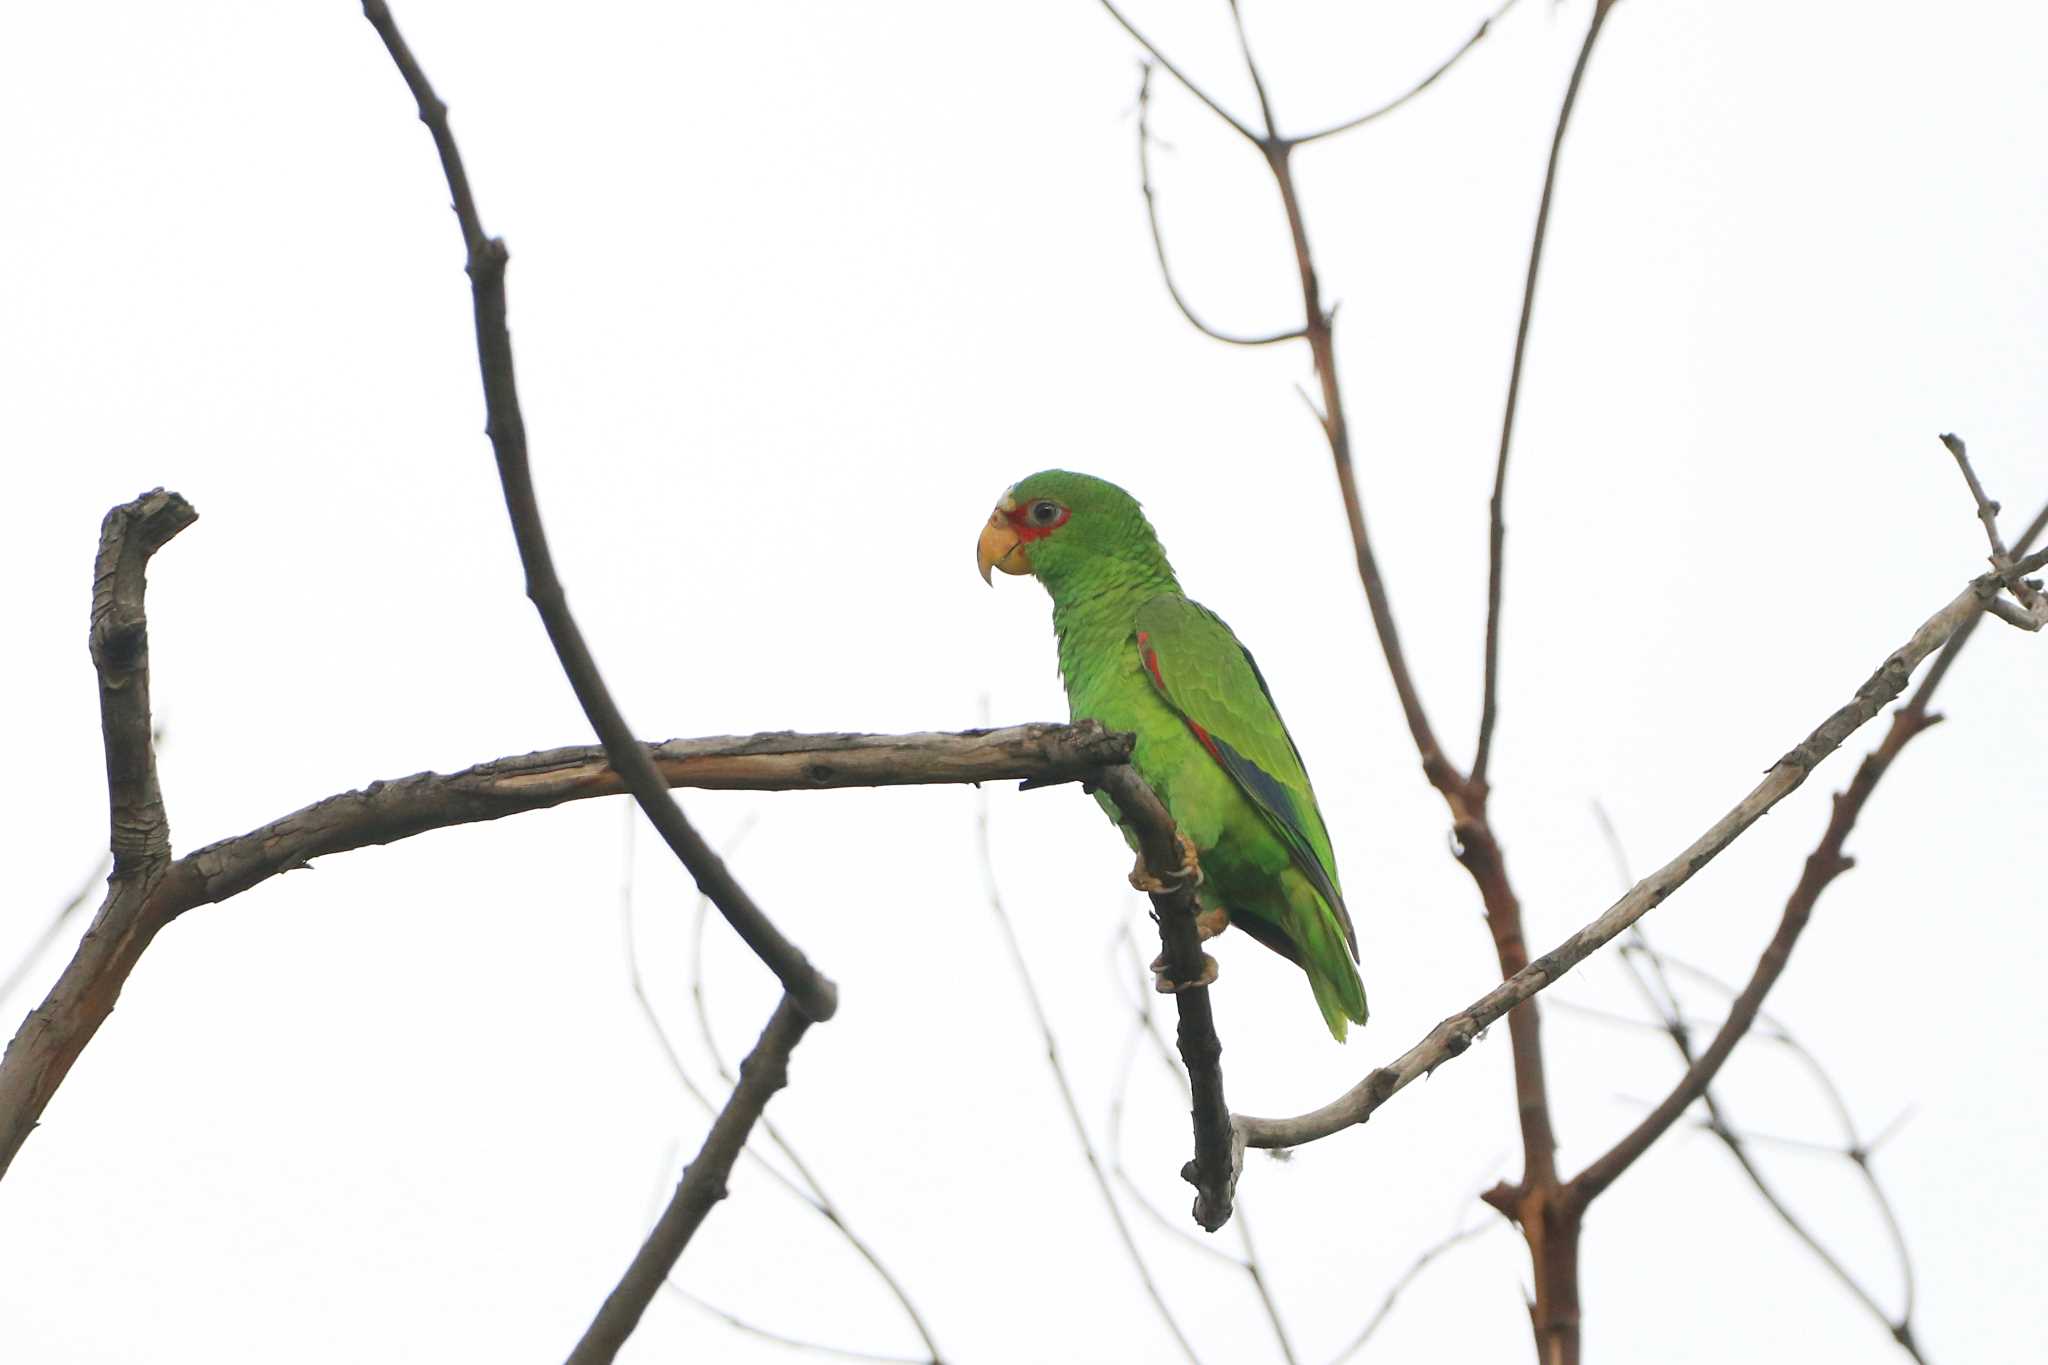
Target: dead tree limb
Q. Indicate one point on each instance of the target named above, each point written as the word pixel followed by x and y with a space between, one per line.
pixel 1213 1172
pixel 812 991
pixel 139 830
pixel 764 1071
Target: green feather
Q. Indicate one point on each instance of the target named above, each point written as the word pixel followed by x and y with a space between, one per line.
pixel 1243 798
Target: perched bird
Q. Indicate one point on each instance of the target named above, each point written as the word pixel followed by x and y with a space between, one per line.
pixel 1138 655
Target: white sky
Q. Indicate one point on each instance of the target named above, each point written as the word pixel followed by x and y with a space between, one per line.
pixel 797 289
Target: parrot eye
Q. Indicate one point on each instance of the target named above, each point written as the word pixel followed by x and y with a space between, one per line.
pixel 1044 512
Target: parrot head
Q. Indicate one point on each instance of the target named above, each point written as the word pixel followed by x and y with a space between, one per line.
pixel 1058 525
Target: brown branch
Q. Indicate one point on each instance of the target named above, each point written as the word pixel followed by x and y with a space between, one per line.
pixel 1552 1248
pixel 1143 1028
pixel 810 989
pixel 765 1071
pixel 1823 865
pixel 385 812
pixel 139 831
pixel 1213 1172
pixel 1455 1034
pixel 1159 240
pixel 1497 525
pixel 1381 111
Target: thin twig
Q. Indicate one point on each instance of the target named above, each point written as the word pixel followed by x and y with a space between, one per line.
pixel 752 1329
pixel 1381 111
pixel 1408 1277
pixel 1178 74
pixel 812 991
pixel 1496 508
pixel 2001 558
pixel 62 916
pixel 1059 1075
pixel 1159 241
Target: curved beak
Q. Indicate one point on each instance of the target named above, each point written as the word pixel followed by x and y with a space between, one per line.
pixel 999 547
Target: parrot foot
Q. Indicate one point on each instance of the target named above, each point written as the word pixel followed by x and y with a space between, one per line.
pixel 1189 873
pixel 1166 987
pixel 1212 922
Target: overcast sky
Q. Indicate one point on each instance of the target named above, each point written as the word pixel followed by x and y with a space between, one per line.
pixel 797 290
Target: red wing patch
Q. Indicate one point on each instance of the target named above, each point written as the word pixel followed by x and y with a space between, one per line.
pixel 1151 658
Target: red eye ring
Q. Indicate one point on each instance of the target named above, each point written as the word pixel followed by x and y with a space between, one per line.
pixel 1037 519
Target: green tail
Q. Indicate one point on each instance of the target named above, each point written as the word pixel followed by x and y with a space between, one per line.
pixel 1342 1001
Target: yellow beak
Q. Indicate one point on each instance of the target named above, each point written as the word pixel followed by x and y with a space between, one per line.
pixel 999 547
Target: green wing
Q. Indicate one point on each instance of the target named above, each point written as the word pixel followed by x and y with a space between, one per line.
pixel 1210 679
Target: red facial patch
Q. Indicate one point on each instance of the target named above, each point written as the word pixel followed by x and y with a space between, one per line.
pixel 1028 530
pixel 1151 658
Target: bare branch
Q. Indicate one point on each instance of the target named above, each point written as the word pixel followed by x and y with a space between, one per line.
pixel 804 1185
pixel 1407 1277
pixel 139 831
pixel 1159 241
pixel 1381 111
pixel 1144 1028
pixel 813 992
pixel 1179 75
pixel 1213 1172
pixel 1455 1034
pixel 1059 1076
pixel 765 1071
pixel 818 1199
pixel 55 926
pixel 1251 67
pixel 1497 524
pixel 740 1324
pixel 1823 865
pixel 387 811
pixel 1987 512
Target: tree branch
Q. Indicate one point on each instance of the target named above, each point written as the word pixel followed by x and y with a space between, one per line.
pixel 139 830
pixel 764 1071
pixel 1381 111
pixel 1159 241
pixel 1823 865
pixel 1066 1089
pixel 812 991
pixel 1213 1172
pixel 1497 525
pixel 1455 1034
pixel 1178 74
pixel 386 812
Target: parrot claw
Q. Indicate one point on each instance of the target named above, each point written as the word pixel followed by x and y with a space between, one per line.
pixel 1166 987
pixel 1189 873
pixel 1212 922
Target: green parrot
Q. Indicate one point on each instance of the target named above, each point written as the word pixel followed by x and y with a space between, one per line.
pixel 1138 655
